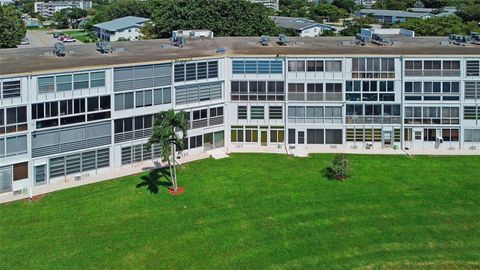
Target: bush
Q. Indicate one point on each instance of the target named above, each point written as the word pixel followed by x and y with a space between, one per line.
pixel 339 169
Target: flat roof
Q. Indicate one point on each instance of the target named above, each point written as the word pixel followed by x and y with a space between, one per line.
pixel 396 13
pixel 24 61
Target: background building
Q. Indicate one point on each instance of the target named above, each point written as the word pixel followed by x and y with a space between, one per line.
pixel 392 16
pixel 303 27
pixel 122 28
pixel 274 4
pixel 88 114
pixel 47 9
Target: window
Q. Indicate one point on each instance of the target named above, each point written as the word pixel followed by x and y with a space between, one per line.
pixel 198 92
pixel 15 145
pixel 10 89
pixel 333 66
pixel 46 84
pixel 275 112
pixel 162 96
pixel 296 65
pixel 296 91
pixel 431 68
pixel 472 90
pixel 13 119
pixel 257 112
pixel 257 90
pixel 196 141
pixel 133 128
pixel 473 68
pixel 450 134
pixel 20 171
pixel 373 68
pixel 472 135
pixel 471 113
pixel 64 82
pixel 257 66
pixel 80 81
pixel 81 162
pixel 191 71
pixel 315 65
pixel 315 136
pixel 242 112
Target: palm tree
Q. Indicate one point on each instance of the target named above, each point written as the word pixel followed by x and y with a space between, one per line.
pixel 164 133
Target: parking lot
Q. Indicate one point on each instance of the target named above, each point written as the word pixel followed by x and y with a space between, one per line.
pixel 40 38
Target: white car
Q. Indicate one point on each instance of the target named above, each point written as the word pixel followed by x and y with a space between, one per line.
pixel 68 39
pixel 25 41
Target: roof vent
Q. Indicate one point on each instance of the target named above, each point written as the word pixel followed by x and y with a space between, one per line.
pixel 104 47
pixel 264 40
pixel 221 50
pixel 381 40
pixel 59 49
pixel 282 40
pixel 475 38
pixel 458 40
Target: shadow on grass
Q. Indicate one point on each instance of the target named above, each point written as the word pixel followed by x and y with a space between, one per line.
pixel 155 179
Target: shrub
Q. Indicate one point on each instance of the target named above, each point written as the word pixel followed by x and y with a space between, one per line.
pixel 339 169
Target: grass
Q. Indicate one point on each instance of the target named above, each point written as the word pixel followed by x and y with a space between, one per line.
pixel 255 211
pixel 80 35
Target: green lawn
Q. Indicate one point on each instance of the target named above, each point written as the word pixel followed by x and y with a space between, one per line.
pixel 79 35
pixel 257 211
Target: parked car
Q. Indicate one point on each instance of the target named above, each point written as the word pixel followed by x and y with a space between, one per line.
pixel 25 41
pixel 68 39
pixel 58 34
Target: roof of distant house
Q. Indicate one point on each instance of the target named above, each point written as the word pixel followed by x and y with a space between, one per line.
pixel 121 23
pixel 396 13
pixel 296 23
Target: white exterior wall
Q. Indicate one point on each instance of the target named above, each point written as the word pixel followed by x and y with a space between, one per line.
pixel 30 95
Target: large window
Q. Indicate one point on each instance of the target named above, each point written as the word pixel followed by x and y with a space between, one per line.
pixel 71 111
pixel 142 77
pixel 315 65
pixel 370 91
pixel 242 112
pixel 257 90
pixel 198 93
pixel 80 162
pixel 432 115
pixel 140 152
pixel 11 146
pixel 142 98
pixel 13 119
pixel 432 68
pixel 133 128
pixel 324 136
pixel 373 68
pixel 9 89
pixel 315 92
pixel 257 66
pixel 472 135
pixel 315 114
pixel 61 140
pixel 190 71
pixel 432 91
pixel 68 82
pixel 373 114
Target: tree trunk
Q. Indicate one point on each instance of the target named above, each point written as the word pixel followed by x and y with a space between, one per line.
pixel 174 178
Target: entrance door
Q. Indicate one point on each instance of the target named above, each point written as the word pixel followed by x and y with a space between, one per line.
pixel 301 137
pixel 387 138
pixel 263 138
pixel 207 141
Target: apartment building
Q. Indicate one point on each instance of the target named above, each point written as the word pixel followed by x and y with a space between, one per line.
pixel 88 114
pixel 273 4
pixel 47 9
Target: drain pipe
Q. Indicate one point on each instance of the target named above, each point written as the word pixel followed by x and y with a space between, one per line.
pixel 402 108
